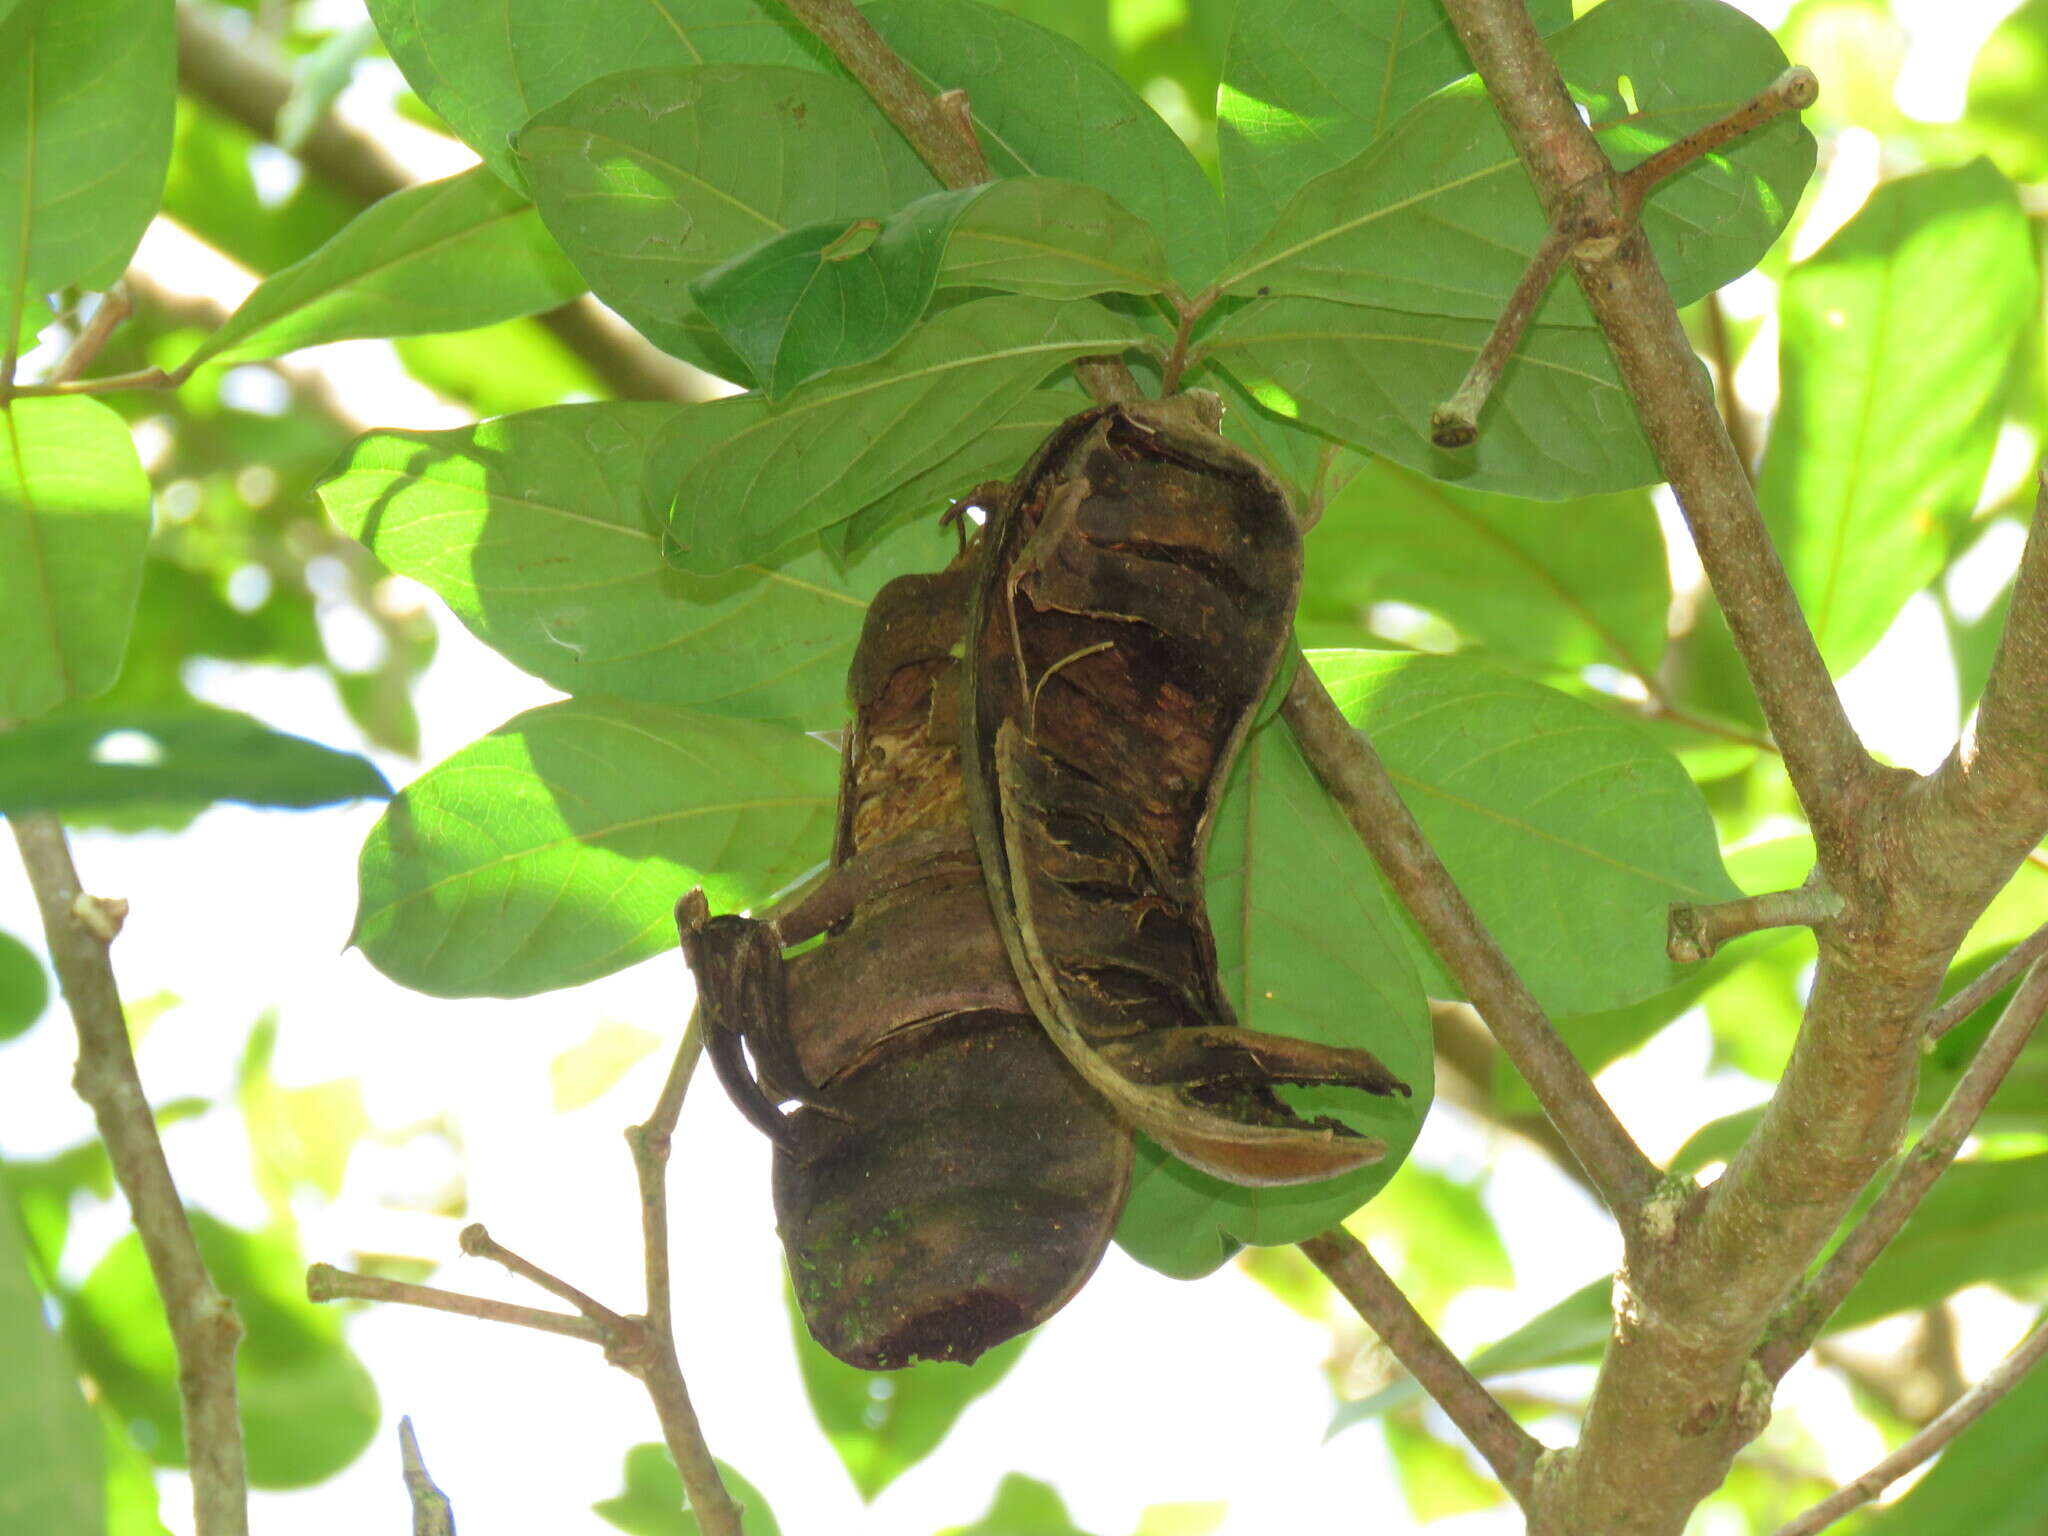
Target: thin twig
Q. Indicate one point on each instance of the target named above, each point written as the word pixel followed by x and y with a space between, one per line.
pixel 1697 929
pixel 1508 1448
pixel 432 1514
pixel 203 1325
pixel 1969 1408
pixel 1793 91
pixel 954 157
pixel 326 1283
pixel 1464 1055
pixel 1455 423
pixel 1988 983
pixel 1357 780
pixel 478 1243
pixel 110 384
pixel 1799 1324
pixel 1187 312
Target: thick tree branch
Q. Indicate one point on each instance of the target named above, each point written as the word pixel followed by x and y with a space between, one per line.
pixel 240 83
pixel 1357 780
pixel 1795 1329
pixel 204 1329
pixel 1828 766
pixel 1969 1408
pixel 942 135
pixel 1509 1449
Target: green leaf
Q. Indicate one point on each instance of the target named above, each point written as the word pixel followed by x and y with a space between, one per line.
pixel 446 256
pixel 1053 239
pixel 849 439
pixel 535 529
pixel 1043 107
pixel 191 757
pixel 1312 466
pixel 1559 425
pixel 489 65
pixel 832 294
pixel 552 851
pixel 2007 82
pixel 655 1502
pixel 1333 969
pixel 1023 1506
pixel 1307 84
pixel 1572 1331
pixel 883 1423
pixel 133 1508
pixel 1562 586
pixel 24 989
pixel 1437 1479
pixel 51 1457
pixel 590 1069
pixel 1438 216
pixel 298 1137
pixel 1448 1241
pixel 74 519
pixel 83 143
pixel 1992 1481
pixel 318 79
pixel 1569 829
pixel 308 1406
pixel 1982 1221
pixel 652 178
pixel 1896 340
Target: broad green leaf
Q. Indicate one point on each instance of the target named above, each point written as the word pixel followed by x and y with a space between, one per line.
pixel 1569 829
pixel 84 139
pixel 1564 586
pixel 997 452
pixel 1447 1240
pixel 298 1137
pixel 318 79
pixel 1307 84
pixel 1436 216
pixel 831 294
pixel 1023 1506
pixel 515 365
pixel 446 256
pixel 74 519
pixel 24 990
pixel 1053 239
pixel 1043 107
pixel 308 1406
pixel 211 190
pixel 1896 340
pixel 553 850
pixel 1330 967
pixel 535 529
pixel 1559 425
pixel 2007 83
pixel 847 440
pixel 652 178
pixel 1572 1331
pixel 193 757
pixel 883 1423
pixel 51 1458
pixel 1992 1481
pixel 1982 1221
pixel 655 1502
pixel 487 66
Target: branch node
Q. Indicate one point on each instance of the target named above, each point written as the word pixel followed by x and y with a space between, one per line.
pixel 100 916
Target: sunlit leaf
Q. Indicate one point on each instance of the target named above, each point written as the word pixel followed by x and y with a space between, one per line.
pixel 2007 82
pixel 552 851
pixel 1023 1506
pixel 74 518
pixel 297 1136
pixel 446 256
pixel 588 1070
pixel 655 1502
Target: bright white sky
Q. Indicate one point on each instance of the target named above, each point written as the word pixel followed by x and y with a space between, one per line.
pixel 1144 1390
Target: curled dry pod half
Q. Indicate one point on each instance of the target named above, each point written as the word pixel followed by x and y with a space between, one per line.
pixel 948 1180
pixel 1134 600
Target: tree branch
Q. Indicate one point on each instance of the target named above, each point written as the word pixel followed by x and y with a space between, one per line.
pixel 1509 1449
pixel 1697 930
pixel 1969 1408
pixel 242 84
pixel 1357 780
pixel 1464 1055
pixel 1988 984
pixel 1829 769
pixel 1795 1329
pixel 204 1329
pixel 326 1283
pixel 937 134
pixel 432 1515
